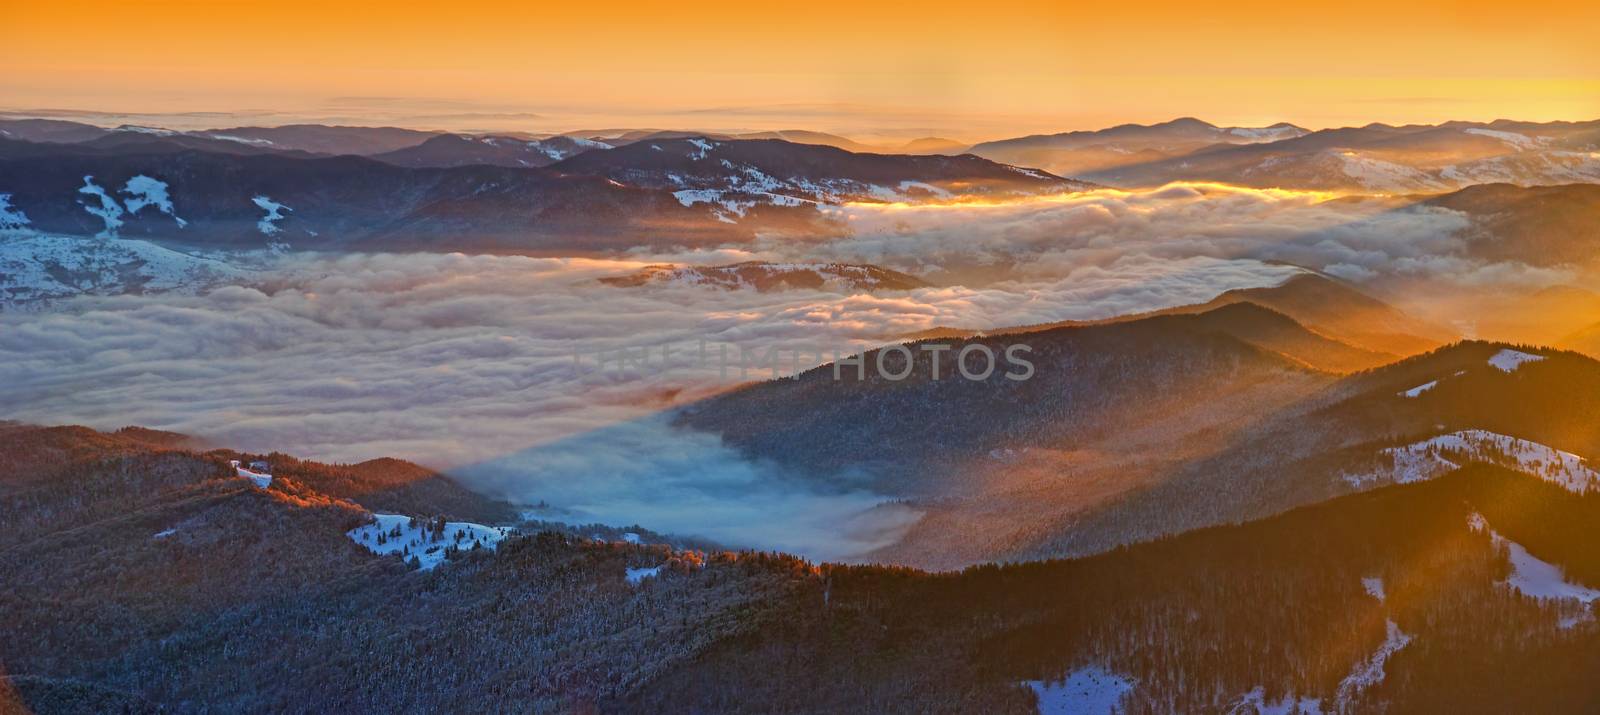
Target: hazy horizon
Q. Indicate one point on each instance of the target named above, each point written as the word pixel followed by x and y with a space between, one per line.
pixel 689 120
pixel 876 74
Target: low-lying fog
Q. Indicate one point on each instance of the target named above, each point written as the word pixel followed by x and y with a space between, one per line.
pixel 468 361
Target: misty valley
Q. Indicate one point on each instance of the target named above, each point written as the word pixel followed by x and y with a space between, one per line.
pixel 470 409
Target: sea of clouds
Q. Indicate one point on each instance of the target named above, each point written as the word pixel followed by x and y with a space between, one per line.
pixel 467 362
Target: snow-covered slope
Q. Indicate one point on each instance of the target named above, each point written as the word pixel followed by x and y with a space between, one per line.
pixel 1533 576
pixel 1385 159
pixel 1342 168
pixel 1436 456
pixel 1370 672
pixel 1509 360
pixel 1256 702
pixel 399 534
pixel 1074 153
pixel 260 479
pixel 38 268
pixel 734 177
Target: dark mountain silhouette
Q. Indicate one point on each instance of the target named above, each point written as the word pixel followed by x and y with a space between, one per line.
pixel 447 150
pixel 996 463
pixel 49 130
pixel 1136 429
pixel 1339 328
pixel 636 196
pixel 770 170
pixel 1540 225
pixel 1081 152
pixel 348 202
pixel 324 139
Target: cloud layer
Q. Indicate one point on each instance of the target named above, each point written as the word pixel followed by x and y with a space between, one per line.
pixel 455 360
pixel 449 358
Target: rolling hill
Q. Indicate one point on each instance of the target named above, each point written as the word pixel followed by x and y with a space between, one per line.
pixel 212 592
pixel 1337 328
pixel 1380 158
pixel 165 188
pixel 1084 152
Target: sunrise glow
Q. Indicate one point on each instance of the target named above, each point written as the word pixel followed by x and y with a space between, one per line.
pixel 881 72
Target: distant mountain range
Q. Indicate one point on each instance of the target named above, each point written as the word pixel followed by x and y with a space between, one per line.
pixel 668 192
pixel 308 138
pixel 734 177
pixel 1088 152
pixel 1413 159
pixel 1335 326
pixel 1376 158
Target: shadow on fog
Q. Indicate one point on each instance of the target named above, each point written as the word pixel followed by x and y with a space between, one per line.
pixel 685 482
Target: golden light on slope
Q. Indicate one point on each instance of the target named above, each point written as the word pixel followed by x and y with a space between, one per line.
pixel 932 68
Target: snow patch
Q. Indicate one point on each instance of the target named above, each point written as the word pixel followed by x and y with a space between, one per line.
pixel 1381 175
pixel 1517 141
pixel 1445 453
pixel 1369 672
pixel 725 208
pixel 241 140
pixel 1084 691
pixel 1374 587
pixel 268 225
pixel 13 222
pixel 400 534
pixel 260 479
pixel 1256 701
pixel 1419 389
pixel 36 269
pixel 1266 134
pixel 155 131
pixel 144 191
pixel 1543 167
pixel 1509 360
pixel 109 210
pixel 1532 576
pixel 1032 173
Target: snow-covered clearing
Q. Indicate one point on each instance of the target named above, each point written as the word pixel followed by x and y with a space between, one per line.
pixel 1434 457
pixel 1509 360
pixel 1533 576
pixel 1084 691
pixel 400 534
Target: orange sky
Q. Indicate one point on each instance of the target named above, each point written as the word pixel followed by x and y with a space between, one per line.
pixel 974 71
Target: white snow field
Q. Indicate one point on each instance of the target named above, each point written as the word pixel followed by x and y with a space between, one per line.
pixel 400 534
